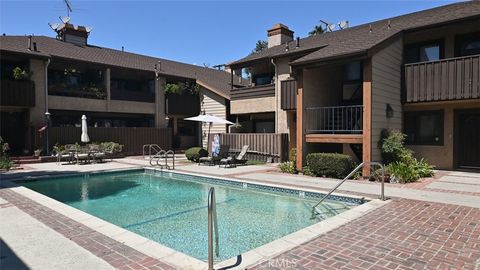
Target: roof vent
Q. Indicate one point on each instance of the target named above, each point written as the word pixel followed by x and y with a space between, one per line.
pixel 298 42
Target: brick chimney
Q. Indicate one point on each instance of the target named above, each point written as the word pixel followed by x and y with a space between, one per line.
pixel 77 35
pixel 279 34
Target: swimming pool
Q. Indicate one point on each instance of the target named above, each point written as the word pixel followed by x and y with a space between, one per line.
pixel 171 208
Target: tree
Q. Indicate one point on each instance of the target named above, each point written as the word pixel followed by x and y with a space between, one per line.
pixel 260 46
pixel 317 30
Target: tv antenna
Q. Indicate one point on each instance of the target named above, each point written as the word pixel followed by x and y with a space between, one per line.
pixel 343 24
pixel 68 6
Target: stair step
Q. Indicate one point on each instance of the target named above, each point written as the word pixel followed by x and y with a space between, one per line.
pixel 23 157
pixel 27 161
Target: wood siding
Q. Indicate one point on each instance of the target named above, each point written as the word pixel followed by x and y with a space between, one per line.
pixel 386 89
pixel 132 138
pixel 261 145
pixel 253 92
pixel 215 105
pixel 288 94
pixel 449 79
pixel 17 93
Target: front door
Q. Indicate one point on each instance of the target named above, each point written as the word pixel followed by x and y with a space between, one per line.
pixel 13 130
pixel 468 139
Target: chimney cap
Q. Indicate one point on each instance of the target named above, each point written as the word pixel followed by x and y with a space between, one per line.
pixel 279 28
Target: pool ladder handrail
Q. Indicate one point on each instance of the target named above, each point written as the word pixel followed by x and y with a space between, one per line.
pixel 212 227
pixel 155 160
pixel 155 147
pixel 382 193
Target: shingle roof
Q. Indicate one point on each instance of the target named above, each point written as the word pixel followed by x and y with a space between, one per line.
pixel 215 80
pixel 359 39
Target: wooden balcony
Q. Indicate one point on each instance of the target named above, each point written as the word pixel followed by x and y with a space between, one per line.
pixel 449 79
pixel 17 93
pixel 182 105
pixel 259 91
pixel 288 95
pixel 140 96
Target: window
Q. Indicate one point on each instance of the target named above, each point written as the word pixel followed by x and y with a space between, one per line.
pixel 424 127
pixel 263 79
pixel 352 71
pixel 423 52
pixel 467 45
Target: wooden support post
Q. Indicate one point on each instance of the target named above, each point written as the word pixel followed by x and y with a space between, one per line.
pixel 367 116
pixel 300 135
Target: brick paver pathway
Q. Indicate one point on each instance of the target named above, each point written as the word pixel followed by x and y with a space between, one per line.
pixel 404 234
pixel 113 252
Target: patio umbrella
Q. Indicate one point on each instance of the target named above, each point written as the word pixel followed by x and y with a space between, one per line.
pixel 84 138
pixel 210 119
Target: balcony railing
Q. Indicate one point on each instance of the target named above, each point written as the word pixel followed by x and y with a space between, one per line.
pixel 449 79
pixel 141 96
pixel 182 105
pixel 79 91
pixel 334 120
pixel 259 91
pixel 17 93
pixel 289 95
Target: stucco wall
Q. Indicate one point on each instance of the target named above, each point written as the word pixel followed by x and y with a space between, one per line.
pixel 252 105
pixel 283 72
pixel 215 105
pixel 37 113
pixel 442 156
pixel 386 89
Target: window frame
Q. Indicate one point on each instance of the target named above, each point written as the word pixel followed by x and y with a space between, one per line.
pixel 461 38
pixel 416 115
pixel 416 46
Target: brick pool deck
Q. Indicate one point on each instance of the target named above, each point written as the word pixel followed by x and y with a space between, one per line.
pixel 403 234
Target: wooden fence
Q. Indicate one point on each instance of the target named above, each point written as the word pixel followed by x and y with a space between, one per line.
pixel 132 138
pixel 262 146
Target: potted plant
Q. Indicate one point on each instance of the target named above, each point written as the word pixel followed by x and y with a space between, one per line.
pixel 37 152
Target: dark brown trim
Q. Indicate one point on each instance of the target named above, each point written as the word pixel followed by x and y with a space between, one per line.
pixel 253 92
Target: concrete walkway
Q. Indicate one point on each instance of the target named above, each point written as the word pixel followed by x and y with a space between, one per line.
pixel 38 246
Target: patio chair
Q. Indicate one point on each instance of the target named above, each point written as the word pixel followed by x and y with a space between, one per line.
pixel 82 154
pixel 231 162
pixel 211 160
pixel 67 154
pixel 96 152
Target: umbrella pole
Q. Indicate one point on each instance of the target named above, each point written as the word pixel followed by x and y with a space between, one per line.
pixel 208 142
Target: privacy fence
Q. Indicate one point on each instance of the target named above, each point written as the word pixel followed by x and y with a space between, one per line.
pixel 262 146
pixel 132 138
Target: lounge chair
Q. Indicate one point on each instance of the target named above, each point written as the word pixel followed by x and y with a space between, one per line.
pixel 66 154
pixel 230 162
pixel 82 154
pixel 96 153
pixel 211 160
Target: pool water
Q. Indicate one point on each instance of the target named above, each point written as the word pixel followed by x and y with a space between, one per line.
pixel 173 211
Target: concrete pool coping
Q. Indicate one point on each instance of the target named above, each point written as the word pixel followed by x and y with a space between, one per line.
pixel 178 259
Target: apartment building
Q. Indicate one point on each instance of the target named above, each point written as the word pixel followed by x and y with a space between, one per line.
pixel 64 77
pixel 337 91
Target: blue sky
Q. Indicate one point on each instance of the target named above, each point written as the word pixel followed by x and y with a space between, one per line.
pixel 194 32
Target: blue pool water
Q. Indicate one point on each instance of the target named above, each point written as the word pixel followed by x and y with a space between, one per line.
pixel 172 208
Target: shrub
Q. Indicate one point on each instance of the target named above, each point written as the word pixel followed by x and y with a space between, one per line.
pixel 115 147
pixel 5 163
pixel 288 167
pixel 330 164
pixel 195 153
pixel 392 146
pixel 411 171
pixel 292 155
pixel 20 74
pixel 306 171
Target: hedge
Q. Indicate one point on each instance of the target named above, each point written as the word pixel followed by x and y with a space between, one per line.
pixel 195 153
pixel 330 164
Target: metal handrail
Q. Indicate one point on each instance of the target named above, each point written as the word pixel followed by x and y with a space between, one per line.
pixel 382 193
pixel 212 225
pixel 155 160
pixel 150 147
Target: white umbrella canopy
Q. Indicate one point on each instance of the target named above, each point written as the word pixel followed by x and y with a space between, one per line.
pixel 210 119
pixel 84 137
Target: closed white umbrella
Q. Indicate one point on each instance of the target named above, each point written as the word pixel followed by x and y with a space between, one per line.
pixel 210 119
pixel 84 138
